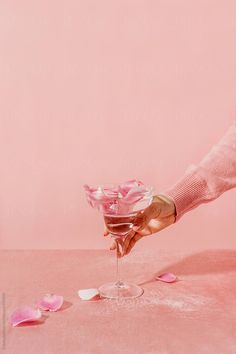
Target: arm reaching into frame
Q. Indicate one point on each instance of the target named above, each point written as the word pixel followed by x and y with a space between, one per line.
pixel 202 183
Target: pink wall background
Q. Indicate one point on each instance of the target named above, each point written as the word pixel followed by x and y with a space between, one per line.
pixel 103 91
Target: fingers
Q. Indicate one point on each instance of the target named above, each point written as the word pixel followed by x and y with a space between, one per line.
pixel 140 221
pixel 127 241
pixel 113 246
pixel 143 218
pixel 117 245
pixel 132 243
pixel 124 247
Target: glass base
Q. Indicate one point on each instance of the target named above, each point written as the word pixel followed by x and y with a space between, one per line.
pixel 120 289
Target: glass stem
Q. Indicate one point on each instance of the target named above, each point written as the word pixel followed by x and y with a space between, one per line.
pixel 118 281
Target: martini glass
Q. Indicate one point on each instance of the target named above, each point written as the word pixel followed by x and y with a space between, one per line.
pixel 119 224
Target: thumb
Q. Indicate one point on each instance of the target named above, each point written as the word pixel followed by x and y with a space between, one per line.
pixel 113 246
pixel 105 231
pixel 143 218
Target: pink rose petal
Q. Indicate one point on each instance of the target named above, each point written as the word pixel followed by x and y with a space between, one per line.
pixel 167 277
pixel 88 294
pixel 113 192
pixel 24 314
pixel 89 189
pixel 135 194
pixel 50 302
pixel 125 187
pixel 118 199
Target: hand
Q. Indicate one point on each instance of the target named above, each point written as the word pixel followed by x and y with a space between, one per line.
pixel 156 217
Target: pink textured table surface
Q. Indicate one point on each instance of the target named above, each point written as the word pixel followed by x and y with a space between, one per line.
pixel 197 314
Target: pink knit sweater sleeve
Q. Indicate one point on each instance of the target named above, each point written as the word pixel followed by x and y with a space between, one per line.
pixel 214 175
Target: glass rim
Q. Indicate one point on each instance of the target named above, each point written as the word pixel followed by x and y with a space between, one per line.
pixel 149 187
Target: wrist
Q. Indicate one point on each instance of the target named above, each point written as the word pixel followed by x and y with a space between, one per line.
pixel 168 201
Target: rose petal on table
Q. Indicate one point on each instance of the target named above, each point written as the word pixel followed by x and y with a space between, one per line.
pixel 167 277
pixel 88 294
pixel 50 302
pixel 24 314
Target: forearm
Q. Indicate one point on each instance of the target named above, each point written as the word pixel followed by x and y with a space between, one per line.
pixel 214 175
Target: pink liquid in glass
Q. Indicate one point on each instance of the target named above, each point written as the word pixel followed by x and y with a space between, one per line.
pixel 119 225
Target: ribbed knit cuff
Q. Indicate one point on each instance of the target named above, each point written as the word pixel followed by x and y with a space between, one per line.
pixel 188 192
